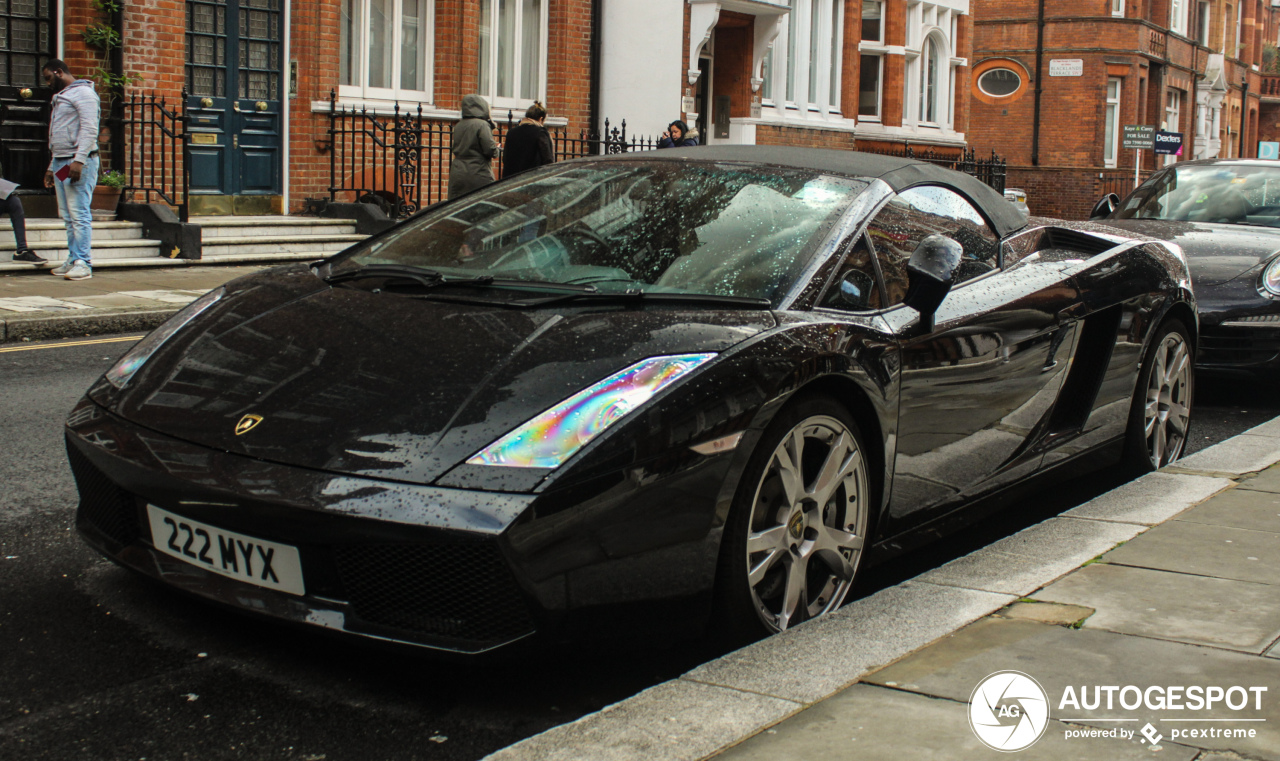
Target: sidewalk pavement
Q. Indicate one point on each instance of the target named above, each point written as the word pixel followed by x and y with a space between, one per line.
pixel 1171 581
pixel 37 306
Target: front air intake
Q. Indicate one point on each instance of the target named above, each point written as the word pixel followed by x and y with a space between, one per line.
pixel 104 506
pixel 461 593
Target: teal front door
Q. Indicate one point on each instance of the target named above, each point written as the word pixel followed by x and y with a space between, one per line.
pixel 233 78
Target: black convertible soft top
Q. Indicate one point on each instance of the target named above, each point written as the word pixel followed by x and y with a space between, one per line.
pixel 898 173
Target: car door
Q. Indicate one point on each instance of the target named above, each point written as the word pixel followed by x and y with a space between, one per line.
pixel 976 385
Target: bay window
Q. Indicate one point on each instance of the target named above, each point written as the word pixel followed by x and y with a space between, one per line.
pixel 513 63
pixel 385 49
pixel 813 55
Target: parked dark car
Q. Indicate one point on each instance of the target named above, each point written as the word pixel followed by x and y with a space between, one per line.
pixel 667 388
pixel 1225 215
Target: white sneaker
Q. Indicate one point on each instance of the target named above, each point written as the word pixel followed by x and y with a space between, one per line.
pixel 62 269
pixel 79 271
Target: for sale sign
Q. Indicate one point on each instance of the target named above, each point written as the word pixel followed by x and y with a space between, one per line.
pixel 1139 137
pixel 1169 143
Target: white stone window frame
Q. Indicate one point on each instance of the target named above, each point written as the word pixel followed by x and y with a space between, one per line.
pixel 365 94
pixel 878 53
pixel 1117 8
pixel 795 64
pixel 1112 106
pixel 937 22
pixel 517 103
pixel 880 50
pixel 1173 119
pixel 1178 16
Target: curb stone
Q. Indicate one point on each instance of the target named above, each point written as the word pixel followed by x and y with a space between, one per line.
pixel 784 674
pixel 50 327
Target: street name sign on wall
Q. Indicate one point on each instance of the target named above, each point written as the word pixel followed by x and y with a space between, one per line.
pixel 1066 67
pixel 1168 143
pixel 1139 137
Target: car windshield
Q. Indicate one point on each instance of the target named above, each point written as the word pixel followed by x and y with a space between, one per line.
pixel 656 226
pixel 1234 194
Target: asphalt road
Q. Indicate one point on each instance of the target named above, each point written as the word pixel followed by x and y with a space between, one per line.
pixel 96 663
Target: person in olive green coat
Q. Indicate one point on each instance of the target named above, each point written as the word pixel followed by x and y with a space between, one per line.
pixel 473 148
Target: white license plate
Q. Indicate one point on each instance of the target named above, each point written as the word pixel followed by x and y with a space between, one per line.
pixel 244 558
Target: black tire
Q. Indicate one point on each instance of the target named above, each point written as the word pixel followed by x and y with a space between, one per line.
pixel 804 554
pixel 1160 413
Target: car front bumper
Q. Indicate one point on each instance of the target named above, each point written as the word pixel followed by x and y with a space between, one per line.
pixel 456 570
pixel 396 562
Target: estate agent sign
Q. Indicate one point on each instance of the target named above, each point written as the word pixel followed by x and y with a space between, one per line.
pixel 1169 143
pixel 1139 137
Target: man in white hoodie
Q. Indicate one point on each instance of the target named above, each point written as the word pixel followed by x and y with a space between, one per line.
pixel 73 170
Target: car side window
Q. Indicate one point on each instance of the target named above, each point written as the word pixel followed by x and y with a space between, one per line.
pixel 854 287
pixel 916 213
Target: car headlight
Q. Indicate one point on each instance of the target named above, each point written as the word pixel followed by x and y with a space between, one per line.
pixel 554 436
pixel 136 357
pixel 1271 277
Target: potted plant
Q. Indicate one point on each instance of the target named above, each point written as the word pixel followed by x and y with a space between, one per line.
pixel 107 193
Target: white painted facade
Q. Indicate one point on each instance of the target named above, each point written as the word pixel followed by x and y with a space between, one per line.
pixel 644 43
pixel 640 64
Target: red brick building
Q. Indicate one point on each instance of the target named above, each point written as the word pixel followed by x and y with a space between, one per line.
pixel 259 73
pixel 258 77
pixel 1054 82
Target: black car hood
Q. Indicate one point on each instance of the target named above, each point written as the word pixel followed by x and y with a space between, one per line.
pixel 385 386
pixel 1215 253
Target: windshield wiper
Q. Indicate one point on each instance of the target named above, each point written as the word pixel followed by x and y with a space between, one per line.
pixel 421 275
pixel 637 296
pixel 430 279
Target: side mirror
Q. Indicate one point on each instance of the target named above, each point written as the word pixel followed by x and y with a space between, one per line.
pixel 932 270
pixel 854 291
pixel 1105 205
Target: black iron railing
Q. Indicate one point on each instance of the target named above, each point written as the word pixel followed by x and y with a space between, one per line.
pixel 1122 183
pixel 399 161
pixel 991 171
pixel 157 162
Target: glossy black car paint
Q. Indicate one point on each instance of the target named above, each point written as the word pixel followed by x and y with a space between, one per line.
pixel 1226 263
pixel 363 437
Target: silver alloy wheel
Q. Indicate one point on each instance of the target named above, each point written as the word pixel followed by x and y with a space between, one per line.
pixel 808 523
pixel 1167 412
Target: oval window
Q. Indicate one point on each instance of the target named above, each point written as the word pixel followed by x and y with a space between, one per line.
pixel 999 82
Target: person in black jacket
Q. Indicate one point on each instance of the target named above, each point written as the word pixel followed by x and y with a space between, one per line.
pixel 528 143
pixel 677 136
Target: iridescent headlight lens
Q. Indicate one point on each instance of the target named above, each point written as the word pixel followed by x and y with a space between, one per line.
pixel 549 439
pixel 1271 277
pixel 136 357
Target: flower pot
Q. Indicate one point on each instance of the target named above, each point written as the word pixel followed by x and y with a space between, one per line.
pixel 105 198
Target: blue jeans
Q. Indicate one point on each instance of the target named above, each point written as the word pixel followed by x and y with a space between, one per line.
pixel 73 204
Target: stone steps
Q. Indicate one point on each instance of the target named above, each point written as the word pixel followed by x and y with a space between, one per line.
pixel 52 230
pixel 56 251
pixel 316 245
pixel 225 240
pixel 238 227
pixel 270 237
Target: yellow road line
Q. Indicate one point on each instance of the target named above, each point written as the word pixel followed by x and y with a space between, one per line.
pixel 73 343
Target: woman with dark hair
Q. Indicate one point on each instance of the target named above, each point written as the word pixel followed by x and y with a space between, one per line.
pixel 528 143
pixel 677 136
